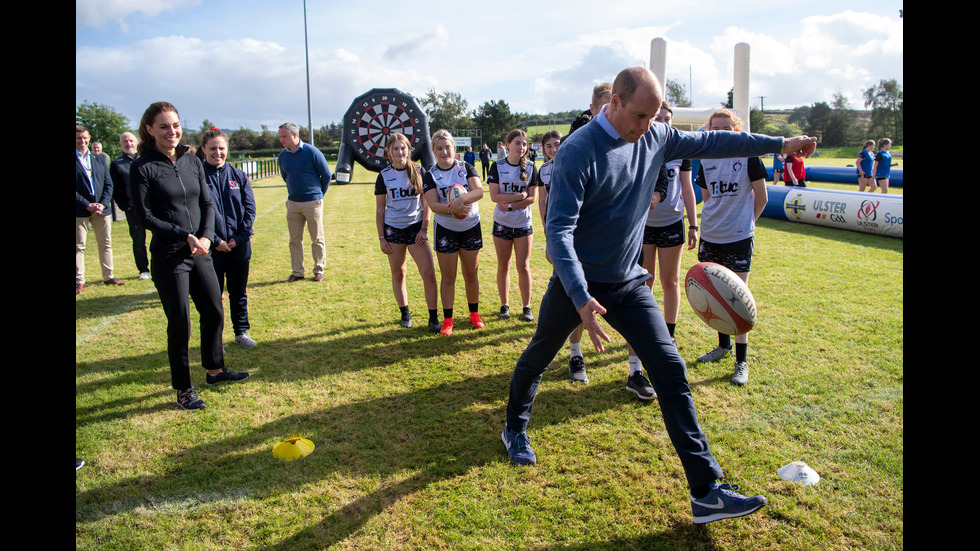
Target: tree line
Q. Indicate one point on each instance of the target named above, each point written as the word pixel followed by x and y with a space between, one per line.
pixel 835 124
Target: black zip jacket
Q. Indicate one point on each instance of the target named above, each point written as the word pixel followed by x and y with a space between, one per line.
pixel 171 199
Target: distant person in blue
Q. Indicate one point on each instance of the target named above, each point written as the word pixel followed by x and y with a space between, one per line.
pixel 883 164
pixel 485 159
pixel 307 178
pixel 777 168
pixel 864 163
pixel 469 156
pixel 603 184
pixel 234 214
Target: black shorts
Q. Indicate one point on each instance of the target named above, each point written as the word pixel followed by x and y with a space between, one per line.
pixel 509 233
pixel 449 241
pixel 665 236
pixel 736 256
pixel 402 236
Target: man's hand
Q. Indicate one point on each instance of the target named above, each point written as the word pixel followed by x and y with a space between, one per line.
pixel 587 312
pixel 95 208
pixel 803 146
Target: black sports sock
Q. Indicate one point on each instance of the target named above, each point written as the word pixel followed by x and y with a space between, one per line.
pixel 474 307
pixel 724 341
pixel 404 310
pixel 700 491
pixel 447 313
pixel 670 329
pixel 741 349
pixel 433 316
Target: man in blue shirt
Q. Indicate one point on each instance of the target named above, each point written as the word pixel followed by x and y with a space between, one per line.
pixel 602 187
pixel 307 176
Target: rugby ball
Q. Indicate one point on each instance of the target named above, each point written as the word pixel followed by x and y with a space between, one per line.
pixel 720 298
pixel 455 191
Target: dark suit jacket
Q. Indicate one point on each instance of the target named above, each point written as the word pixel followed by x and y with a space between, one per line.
pixel 100 182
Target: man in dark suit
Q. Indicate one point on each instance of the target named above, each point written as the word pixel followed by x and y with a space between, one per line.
pixel 119 172
pixel 93 195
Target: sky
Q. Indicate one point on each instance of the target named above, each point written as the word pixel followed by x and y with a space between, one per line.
pixel 242 63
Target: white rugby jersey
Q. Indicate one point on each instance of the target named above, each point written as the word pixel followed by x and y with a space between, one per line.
pixel 729 215
pixel 403 206
pixel 508 180
pixel 672 208
pixel 441 180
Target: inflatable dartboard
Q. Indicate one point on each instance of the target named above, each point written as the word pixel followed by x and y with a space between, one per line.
pixel 370 120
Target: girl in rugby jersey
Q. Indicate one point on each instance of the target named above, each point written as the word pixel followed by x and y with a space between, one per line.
pixel 458 237
pixel 512 184
pixel 734 197
pixel 403 221
pixel 664 234
pixel 549 145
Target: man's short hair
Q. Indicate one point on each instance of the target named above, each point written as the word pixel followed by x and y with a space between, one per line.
pixel 79 129
pixel 629 79
pixel 290 127
pixel 601 91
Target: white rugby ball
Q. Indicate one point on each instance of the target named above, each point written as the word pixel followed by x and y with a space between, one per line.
pixel 720 298
pixel 455 191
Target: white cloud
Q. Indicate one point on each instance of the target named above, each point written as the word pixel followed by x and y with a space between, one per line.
pixel 100 13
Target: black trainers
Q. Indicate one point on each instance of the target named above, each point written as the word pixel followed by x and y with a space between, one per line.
pixel 639 385
pixel 435 326
pixel 504 312
pixel 188 399
pixel 225 375
pixel 576 369
pixel 406 320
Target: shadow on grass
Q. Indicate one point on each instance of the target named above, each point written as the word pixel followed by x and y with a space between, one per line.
pixel 397 445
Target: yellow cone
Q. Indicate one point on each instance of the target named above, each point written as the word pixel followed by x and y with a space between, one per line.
pixel 292 448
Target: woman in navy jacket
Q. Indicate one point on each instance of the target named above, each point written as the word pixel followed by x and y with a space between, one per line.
pixel 234 213
pixel 171 199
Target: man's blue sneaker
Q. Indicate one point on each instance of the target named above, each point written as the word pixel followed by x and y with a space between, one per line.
pixel 518 447
pixel 723 502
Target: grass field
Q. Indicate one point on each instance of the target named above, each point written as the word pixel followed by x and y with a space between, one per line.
pixel 407 423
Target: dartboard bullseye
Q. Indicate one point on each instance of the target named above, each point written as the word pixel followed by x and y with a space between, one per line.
pixel 371 119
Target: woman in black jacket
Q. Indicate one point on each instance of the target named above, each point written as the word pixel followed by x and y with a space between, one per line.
pixel 171 199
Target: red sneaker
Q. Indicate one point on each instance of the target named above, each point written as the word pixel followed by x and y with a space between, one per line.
pixel 476 320
pixel 447 327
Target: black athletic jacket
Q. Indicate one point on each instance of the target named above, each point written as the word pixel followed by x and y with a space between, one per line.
pixel 171 199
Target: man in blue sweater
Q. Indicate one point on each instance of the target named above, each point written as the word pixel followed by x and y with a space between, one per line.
pixel 602 187
pixel 307 177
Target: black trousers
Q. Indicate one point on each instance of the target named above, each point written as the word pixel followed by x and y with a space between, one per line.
pixel 633 312
pixel 180 278
pixel 138 233
pixel 232 267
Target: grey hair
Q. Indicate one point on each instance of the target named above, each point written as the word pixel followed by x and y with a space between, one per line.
pixel 290 127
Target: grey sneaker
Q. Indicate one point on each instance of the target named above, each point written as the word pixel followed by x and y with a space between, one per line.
pixel 716 354
pixel 639 385
pixel 406 320
pixel 504 312
pixel 244 340
pixel 741 375
pixel 576 370
pixel 526 315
